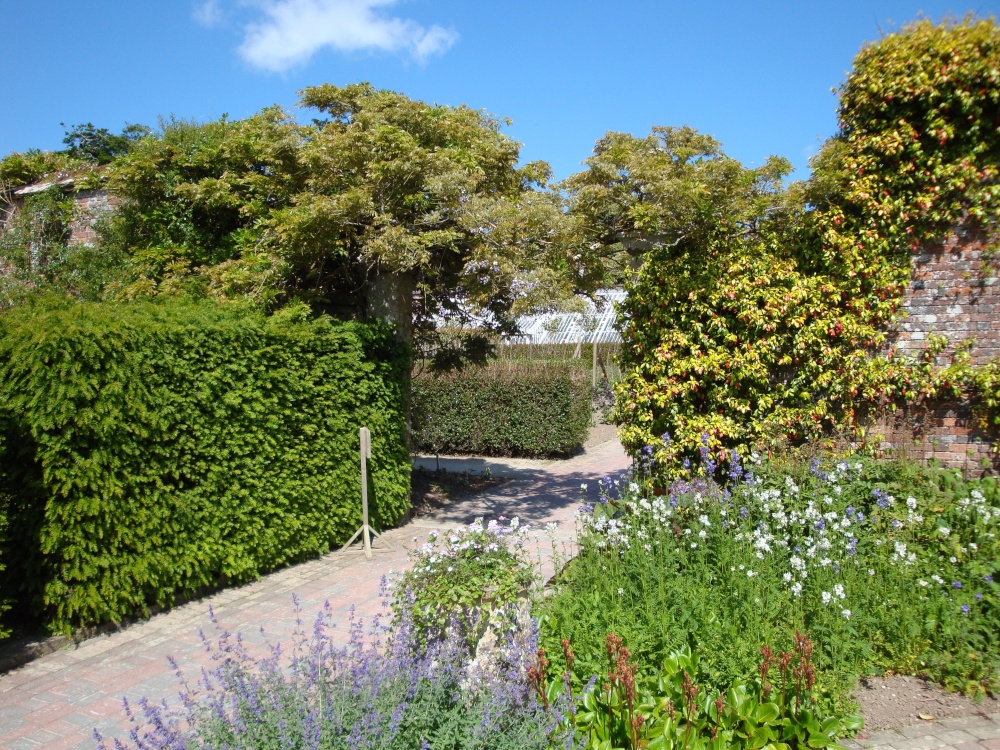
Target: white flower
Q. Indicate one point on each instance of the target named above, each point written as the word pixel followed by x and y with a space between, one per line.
pixel 703 519
pixel 923 583
pixel 787 577
pixel 838 591
pixel 973 546
pixel 702 534
pixel 694 545
pixel 796 588
pixel 944 531
pixel 953 560
pixel 827 597
pixel 750 574
pixel 911 503
pixel 871 571
pixel 846 613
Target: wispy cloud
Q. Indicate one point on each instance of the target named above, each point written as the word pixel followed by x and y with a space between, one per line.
pixel 292 31
pixel 207 13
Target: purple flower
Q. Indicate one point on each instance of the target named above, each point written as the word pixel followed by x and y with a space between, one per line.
pixel 881 498
pixel 979 596
pixel 965 609
pixel 988 579
pixel 956 584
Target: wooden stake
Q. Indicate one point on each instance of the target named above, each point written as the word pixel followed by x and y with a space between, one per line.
pixel 366 532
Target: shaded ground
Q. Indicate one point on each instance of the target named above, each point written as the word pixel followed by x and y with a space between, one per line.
pixel 432 489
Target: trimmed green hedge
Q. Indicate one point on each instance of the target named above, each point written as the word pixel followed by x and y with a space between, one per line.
pixel 154 449
pixel 503 409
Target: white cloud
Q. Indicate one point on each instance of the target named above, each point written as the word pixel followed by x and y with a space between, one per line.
pixel 293 30
pixel 207 13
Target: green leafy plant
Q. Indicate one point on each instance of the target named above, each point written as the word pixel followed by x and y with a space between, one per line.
pixel 460 578
pixel 623 710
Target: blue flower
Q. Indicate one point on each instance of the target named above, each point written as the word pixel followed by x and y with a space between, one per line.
pixel 956 584
pixel 965 609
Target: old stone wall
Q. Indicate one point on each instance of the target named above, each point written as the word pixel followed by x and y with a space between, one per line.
pixel 90 205
pixel 955 292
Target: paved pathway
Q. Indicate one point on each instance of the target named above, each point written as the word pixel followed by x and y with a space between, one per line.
pixel 58 700
pixel 968 733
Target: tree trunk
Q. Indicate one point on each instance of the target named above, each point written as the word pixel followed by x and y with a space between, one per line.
pixel 390 298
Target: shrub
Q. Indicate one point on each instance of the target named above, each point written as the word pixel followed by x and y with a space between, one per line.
pixel 887 565
pixel 503 409
pixel 156 449
pixel 393 694
pixel 461 579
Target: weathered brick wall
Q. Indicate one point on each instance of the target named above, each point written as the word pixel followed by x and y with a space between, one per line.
pixel 91 205
pixel 954 291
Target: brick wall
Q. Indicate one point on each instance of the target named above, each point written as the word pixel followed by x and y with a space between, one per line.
pixel 90 206
pixel 954 291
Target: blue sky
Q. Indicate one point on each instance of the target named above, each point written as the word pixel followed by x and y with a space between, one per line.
pixel 757 76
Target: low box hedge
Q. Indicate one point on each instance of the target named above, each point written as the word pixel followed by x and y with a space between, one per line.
pixel 533 409
pixel 151 450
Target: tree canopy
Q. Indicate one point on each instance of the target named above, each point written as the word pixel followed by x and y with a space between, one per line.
pixel 377 186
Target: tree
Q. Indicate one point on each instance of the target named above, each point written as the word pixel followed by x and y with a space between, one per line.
pixel 382 206
pixel 100 145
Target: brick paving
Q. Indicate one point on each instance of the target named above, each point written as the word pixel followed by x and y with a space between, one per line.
pixel 59 699
pixel 980 732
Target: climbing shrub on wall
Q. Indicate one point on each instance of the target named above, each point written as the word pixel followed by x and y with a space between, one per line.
pixel 767 323
pixel 155 449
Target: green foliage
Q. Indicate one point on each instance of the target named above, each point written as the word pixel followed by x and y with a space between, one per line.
pixel 463 579
pixel 268 209
pixel 758 313
pixel 100 145
pixel 775 709
pixel 503 409
pixel 37 260
pixel 24 167
pixel 156 449
pixel 887 565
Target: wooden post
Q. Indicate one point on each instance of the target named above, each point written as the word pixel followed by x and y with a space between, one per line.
pixel 366 532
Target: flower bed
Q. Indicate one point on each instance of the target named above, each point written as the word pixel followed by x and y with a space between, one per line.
pixel 887 566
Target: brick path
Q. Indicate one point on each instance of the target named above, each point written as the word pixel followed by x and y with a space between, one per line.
pixel 968 733
pixel 58 700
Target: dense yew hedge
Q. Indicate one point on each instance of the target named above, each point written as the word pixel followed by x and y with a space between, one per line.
pixel 151 450
pixel 503 409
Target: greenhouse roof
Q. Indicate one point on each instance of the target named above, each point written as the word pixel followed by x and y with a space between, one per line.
pixel 594 324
